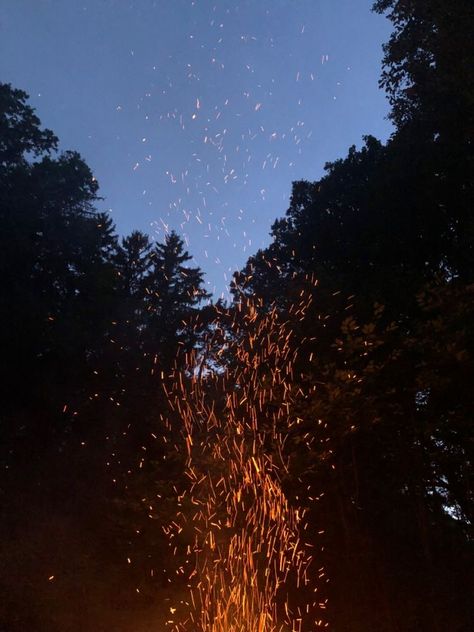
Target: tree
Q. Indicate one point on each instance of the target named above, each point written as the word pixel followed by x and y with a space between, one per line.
pixel 174 292
pixel 385 361
pixel 427 66
pixel 428 74
pixel 133 264
pixel 20 132
pixel 55 253
pixel 87 327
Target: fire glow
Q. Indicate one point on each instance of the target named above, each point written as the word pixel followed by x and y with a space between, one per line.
pixel 247 555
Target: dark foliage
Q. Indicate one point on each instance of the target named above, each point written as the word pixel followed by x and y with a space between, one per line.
pixel 386 358
pixel 88 331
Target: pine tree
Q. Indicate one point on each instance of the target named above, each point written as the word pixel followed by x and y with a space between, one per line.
pixel 174 292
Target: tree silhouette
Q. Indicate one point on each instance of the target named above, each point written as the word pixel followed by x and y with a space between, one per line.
pixel 173 291
pixel 387 233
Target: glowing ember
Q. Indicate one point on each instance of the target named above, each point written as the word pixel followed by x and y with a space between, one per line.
pixel 248 561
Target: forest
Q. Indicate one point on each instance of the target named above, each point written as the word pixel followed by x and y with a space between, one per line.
pixel 341 372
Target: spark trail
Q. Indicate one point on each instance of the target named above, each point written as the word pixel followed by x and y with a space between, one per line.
pixel 248 560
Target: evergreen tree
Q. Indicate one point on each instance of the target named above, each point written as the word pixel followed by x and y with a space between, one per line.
pixel 133 264
pixel 174 292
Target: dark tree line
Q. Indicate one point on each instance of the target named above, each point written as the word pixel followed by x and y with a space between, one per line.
pixel 92 324
pixel 89 325
pixel 388 233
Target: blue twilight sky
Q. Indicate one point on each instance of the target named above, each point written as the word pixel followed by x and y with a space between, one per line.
pixel 198 114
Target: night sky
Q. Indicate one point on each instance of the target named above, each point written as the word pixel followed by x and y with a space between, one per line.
pixel 198 114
